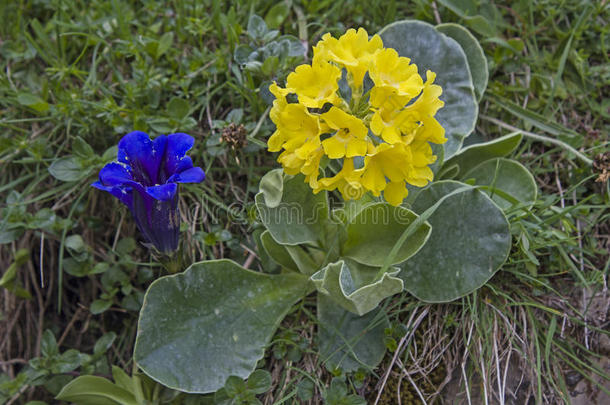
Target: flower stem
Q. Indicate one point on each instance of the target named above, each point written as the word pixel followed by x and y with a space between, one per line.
pixel 173 263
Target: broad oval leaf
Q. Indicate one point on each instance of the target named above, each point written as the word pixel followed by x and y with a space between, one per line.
pixel 356 287
pixel 300 216
pixel 347 340
pixel 475 154
pixel 213 321
pixel 508 176
pixel 470 240
pixel 477 62
pixel 431 50
pixel 372 233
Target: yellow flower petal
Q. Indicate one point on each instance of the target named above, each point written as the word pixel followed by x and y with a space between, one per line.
pixel 353 51
pixel 334 147
pixel 396 73
pixel 347 123
pixel 315 85
pixel 395 192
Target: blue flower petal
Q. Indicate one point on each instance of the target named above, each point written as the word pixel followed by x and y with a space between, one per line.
pixel 124 194
pixel 164 192
pixel 142 155
pixel 192 175
pixel 114 174
pixel 184 164
pixel 177 146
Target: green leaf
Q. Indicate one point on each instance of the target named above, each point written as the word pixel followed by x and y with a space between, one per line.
pixel 356 287
pixel 48 344
pixel 21 257
pixel 165 43
pixel 291 257
pixel 509 176
pixel 82 149
pixel 33 101
pixel 213 321
pixel 241 53
pixel 178 108
pixel 347 340
pixel 272 187
pixel 473 155
pixel 68 361
pixel 277 14
pixel 468 10
pixel 477 62
pixel 99 306
pixel 300 216
pixel 92 390
pixel 68 168
pixel 304 262
pixel 9 235
pixel 277 252
pixel 371 234
pixel 104 343
pixel 257 28
pixel 470 240
pixel 431 50
pixel 259 382
pixel 121 379
pixel 235 386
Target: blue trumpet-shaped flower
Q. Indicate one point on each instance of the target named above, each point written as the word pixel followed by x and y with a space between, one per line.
pixel 144 179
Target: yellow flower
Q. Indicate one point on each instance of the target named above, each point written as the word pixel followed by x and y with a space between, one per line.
pixel 347 181
pixel 388 128
pixel 315 85
pixel 353 51
pixel 349 140
pixel 387 161
pixel 395 73
pixel 296 129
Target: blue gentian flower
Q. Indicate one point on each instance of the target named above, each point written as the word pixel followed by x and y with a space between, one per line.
pixel 144 179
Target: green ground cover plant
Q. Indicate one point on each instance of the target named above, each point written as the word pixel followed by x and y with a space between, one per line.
pixel 77 76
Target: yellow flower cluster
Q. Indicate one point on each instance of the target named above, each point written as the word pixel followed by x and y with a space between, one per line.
pixel 382 134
